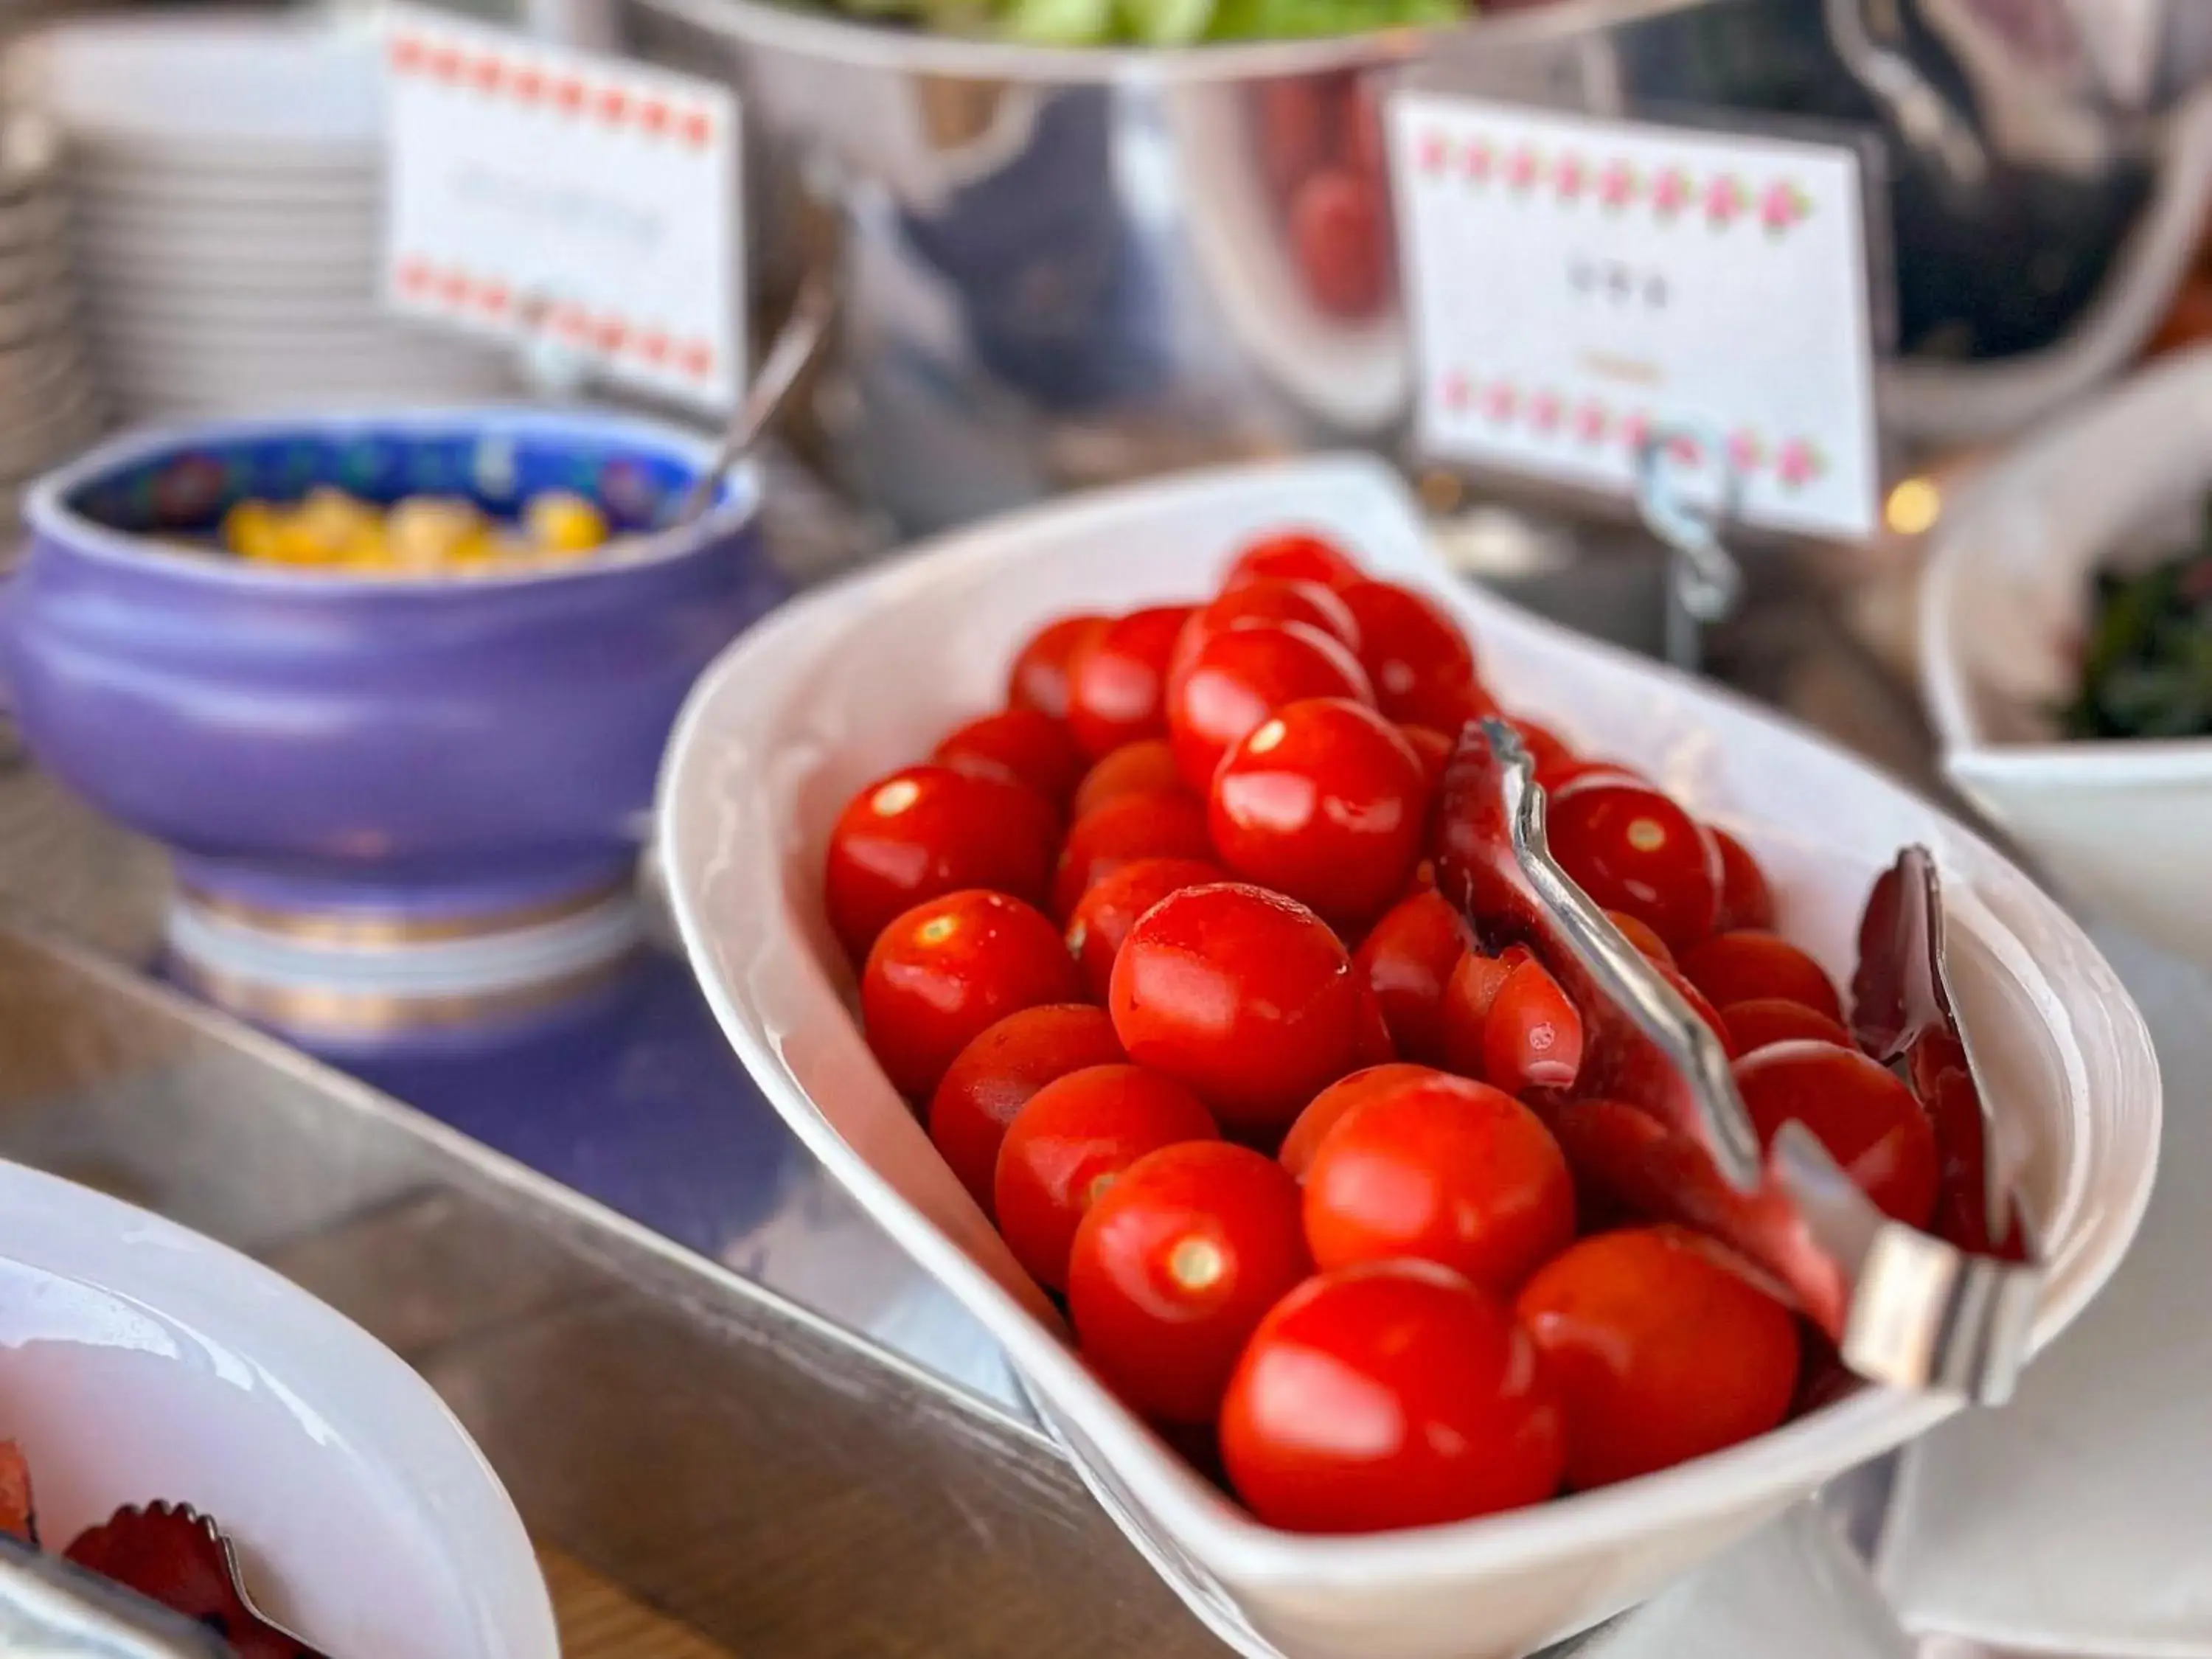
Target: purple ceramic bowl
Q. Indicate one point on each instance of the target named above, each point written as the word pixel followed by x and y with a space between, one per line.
pixel 315 742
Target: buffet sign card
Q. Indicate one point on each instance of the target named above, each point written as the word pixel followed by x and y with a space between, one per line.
pixel 1575 283
pixel 556 197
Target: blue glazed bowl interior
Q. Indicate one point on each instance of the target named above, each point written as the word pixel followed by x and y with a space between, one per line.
pixel 183 485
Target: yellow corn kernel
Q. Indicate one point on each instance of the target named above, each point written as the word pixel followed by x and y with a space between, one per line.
pixel 253 530
pixel 428 532
pixel 369 550
pixel 298 540
pixel 562 521
pixel 334 518
pixel 481 546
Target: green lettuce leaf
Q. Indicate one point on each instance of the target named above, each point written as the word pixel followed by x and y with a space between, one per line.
pixel 1291 20
pixel 1166 22
pixel 1059 22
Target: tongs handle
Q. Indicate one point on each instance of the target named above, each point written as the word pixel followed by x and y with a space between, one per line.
pixel 1657 1116
pixel 797 344
pixel 49 1608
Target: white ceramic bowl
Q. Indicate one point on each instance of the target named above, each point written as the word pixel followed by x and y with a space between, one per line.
pixel 2124 825
pixel 865 676
pixel 140 1361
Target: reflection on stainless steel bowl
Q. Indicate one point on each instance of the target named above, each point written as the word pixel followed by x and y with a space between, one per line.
pixel 1065 265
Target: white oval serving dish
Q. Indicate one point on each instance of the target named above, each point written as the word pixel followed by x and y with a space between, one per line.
pixel 867 675
pixel 2122 825
pixel 140 1361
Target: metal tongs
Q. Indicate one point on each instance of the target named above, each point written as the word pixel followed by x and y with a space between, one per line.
pixel 156 1581
pixel 49 1608
pixel 797 345
pixel 1658 1123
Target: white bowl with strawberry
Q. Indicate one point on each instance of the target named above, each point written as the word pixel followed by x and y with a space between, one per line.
pixel 1065 887
pixel 153 1383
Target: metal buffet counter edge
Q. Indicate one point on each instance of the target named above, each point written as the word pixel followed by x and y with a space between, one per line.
pixel 769 1478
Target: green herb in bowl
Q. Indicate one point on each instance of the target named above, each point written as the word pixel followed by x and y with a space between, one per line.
pixel 2147 666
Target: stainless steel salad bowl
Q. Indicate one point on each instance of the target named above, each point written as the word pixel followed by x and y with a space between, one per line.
pixel 1065 265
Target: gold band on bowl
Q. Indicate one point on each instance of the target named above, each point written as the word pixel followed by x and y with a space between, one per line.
pixel 370 931
pixel 318 1010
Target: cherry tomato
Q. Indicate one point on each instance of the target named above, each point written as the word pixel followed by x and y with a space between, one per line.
pixel 927 830
pixel 1366 148
pixel 1393 1394
pixel 1937 1063
pixel 1117 681
pixel 1038 679
pixel 1126 828
pixel 1464 1014
pixel 1432 749
pixel 1298 555
pixel 1245 995
pixel 1868 1119
pixel 1237 679
pixel 1322 800
pixel 1638 933
pixel 1628 1165
pixel 1266 600
pixel 1197 1444
pixel 1024 744
pixel 1746 964
pixel 1102 919
pixel 1066 1146
pixel 1753 1024
pixel 1144 768
pixel 994 1077
pixel 1823 1379
pixel 1173 1267
pixel 1420 663
pixel 1340 241
pixel 1547 750
pixel 1745 899
pixel 1295 119
pixel 1445 1170
pixel 1659 1351
pixel 1560 770
pixel 1700 1005
pixel 950 969
pixel 1929 1056
pixel 1407 960
pixel 1533 1037
pixel 1372 1045
pixel 1324 1111
pixel 1634 850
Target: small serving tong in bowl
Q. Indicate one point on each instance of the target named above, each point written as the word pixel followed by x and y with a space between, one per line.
pixel 1658 1127
pixel 53 1610
pixel 157 1582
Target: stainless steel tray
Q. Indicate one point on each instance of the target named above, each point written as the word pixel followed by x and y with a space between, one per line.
pixel 772 1479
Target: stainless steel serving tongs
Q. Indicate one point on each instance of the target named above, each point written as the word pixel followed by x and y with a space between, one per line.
pixel 1657 1117
pixel 51 1609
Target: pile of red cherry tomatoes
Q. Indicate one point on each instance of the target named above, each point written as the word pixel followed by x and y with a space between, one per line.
pixel 1156 951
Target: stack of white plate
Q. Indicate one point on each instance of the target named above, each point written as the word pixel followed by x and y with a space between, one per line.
pixel 225 182
pixel 48 406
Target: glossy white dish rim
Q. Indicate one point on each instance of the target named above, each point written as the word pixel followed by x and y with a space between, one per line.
pixel 185 1282
pixel 1197 1515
